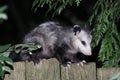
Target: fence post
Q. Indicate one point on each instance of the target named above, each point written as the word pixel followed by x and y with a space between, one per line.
pixel 75 72
pixel 107 73
pixel 18 73
pixel 51 70
pixel 46 70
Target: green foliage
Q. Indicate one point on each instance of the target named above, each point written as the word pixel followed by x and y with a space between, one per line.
pixel 56 5
pixel 6 50
pixel 116 76
pixel 28 47
pixel 105 17
pixel 3 16
pixel 4 60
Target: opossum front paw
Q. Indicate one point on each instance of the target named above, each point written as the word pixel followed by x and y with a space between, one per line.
pixel 64 64
pixel 81 63
pixel 67 66
pixel 36 60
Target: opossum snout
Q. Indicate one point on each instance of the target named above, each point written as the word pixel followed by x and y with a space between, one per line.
pixel 88 54
pixel 87 51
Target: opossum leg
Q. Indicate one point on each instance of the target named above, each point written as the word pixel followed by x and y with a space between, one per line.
pixel 35 58
pixel 61 60
pixel 66 59
pixel 24 55
pixel 81 63
pixel 71 58
pixel 67 67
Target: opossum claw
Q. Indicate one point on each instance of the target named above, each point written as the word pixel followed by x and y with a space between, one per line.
pixel 68 66
pixel 81 63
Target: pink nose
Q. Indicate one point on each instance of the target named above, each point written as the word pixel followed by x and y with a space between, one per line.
pixel 89 54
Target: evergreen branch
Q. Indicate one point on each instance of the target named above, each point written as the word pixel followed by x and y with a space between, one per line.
pixel 106 14
pixel 56 5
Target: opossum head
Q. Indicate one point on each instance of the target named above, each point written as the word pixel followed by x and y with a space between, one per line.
pixel 82 40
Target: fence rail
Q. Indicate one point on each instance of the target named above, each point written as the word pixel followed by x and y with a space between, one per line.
pixel 51 70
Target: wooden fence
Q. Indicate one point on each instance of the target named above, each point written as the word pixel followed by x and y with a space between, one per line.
pixel 51 70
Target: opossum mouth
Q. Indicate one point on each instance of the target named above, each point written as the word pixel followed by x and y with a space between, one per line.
pixel 88 54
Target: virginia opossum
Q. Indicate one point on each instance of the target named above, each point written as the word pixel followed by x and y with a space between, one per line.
pixel 58 42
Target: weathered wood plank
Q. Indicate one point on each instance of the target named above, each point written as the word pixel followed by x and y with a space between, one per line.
pixel 18 73
pixel 107 73
pixel 46 70
pixel 75 72
pixel 51 70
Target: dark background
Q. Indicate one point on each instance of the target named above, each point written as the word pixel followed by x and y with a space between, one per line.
pixel 22 18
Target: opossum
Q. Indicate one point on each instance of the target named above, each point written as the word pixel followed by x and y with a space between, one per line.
pixel 62 43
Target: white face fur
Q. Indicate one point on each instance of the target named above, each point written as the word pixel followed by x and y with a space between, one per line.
pixel 82 42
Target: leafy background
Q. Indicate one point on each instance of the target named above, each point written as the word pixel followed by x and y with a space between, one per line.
pixel 102 16
pixel 6 62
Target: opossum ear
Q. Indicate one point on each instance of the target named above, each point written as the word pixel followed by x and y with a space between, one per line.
pixel 76 29
pixel 90 31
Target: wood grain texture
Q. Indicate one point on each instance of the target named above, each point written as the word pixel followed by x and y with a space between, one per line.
pixel 46 70
pixel 75 72
pixel 18 73
pixel 51 70
pixel 107 73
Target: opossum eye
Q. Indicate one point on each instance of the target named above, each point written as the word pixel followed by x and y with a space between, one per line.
pixel 83 42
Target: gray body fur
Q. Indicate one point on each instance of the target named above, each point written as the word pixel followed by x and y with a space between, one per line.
pixel 57 42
